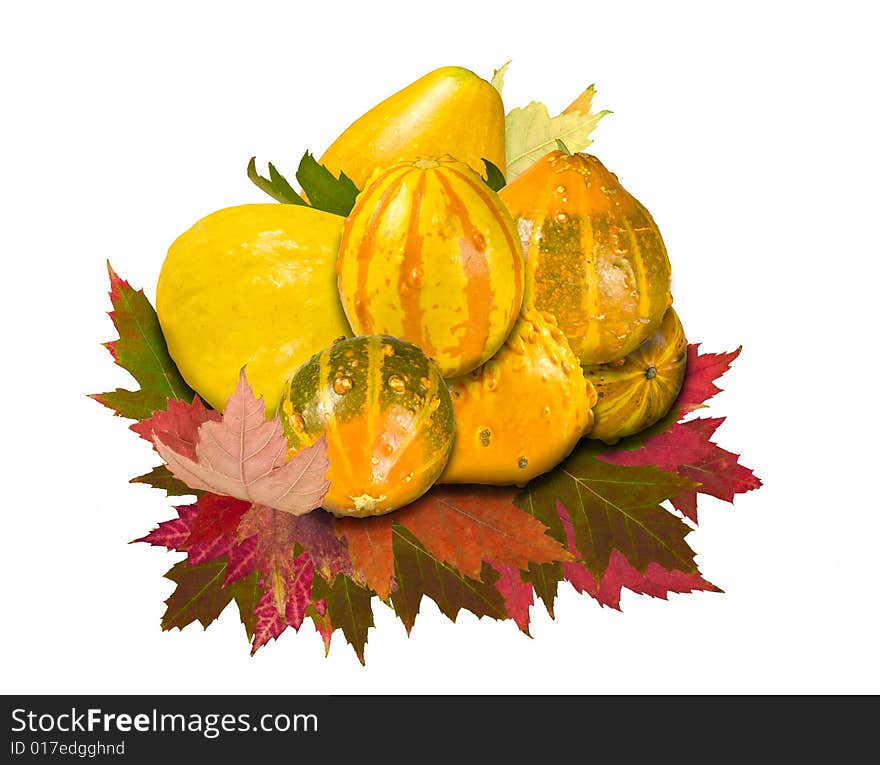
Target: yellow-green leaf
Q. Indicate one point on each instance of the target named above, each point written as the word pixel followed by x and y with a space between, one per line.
pixel 531 132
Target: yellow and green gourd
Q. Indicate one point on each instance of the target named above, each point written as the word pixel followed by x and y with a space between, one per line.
pixel 387 415
pixel 635 394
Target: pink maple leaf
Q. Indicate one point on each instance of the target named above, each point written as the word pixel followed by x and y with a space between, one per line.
pixel 245 456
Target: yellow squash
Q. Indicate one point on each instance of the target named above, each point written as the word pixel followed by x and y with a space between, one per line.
pixel 635 394
pixel 252 285
pixel 429 254
pixel 523 411
pixel 594 256
pixel 448 111
pixel 387 417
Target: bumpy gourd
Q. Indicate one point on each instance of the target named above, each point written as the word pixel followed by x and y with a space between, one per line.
pixel 523 411
pixel 594 256
pixel 634 395
pixel 254 286
pixel 387 416
pixel 429 254
pixel 423 119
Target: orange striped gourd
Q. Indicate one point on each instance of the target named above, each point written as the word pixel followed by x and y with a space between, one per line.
pixel 522 412
pixel 423 119
pixel 594 256
pixel 429 254
pixel 387 416
pixel 634 395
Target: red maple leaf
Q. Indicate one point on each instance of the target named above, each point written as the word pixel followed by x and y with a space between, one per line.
pixel 655 581
pixel 686 449
pixel 177 426
pixel 703 369
pixel 519 596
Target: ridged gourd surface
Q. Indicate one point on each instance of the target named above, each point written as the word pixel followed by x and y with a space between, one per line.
pixel 594 255
pixel 429 254
pixel 634 395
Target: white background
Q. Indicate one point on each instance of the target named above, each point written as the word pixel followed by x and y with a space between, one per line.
pixel 749 130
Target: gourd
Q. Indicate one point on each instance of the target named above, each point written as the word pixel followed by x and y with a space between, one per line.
pixel 429 254
pixel 594 256
pixel 423 119
pixel 387 417
pixel 523 411
pixel 255 286
pixel 637 393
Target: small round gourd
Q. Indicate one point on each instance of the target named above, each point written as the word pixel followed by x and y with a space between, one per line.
pixel 637 393
pixel 522 412
pixel 429 254
pixel 387 416
pixel 594 256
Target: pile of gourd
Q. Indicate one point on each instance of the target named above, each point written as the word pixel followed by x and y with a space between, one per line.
pixel 442 332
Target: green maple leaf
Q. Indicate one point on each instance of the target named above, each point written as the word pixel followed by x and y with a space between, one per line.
pixel 613 507
pixel 140 350
pixel 160 477
pixel 201 596
pixel 325 191
pixel 418 573
pixel 349 608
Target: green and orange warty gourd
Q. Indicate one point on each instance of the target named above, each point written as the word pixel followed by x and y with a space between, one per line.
pixel 523 411
pixel 387 415
pixel 448 111
pixel 634 395
pixel 594 256
pixel 430 254
pixel 255 286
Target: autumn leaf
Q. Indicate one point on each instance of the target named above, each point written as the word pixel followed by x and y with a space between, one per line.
pixel 200 594
pixel 462 526
pixel 160 477
pixel 173 534
pixel 613 507
pixel 243 456
pixel 348 607
pixel 530 132
pixel 277 532
pixel 655 580
pixel 686 449
pixel 141 351
pixel 518 595
pixel 369 545
pixel 177 426
pixel 418 573
pixel 467 525
pixel 269 621
pixel 703 369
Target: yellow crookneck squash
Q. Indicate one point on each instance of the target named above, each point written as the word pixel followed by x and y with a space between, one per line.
pixel 429 254
pixel 594 256
pixel 448 111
